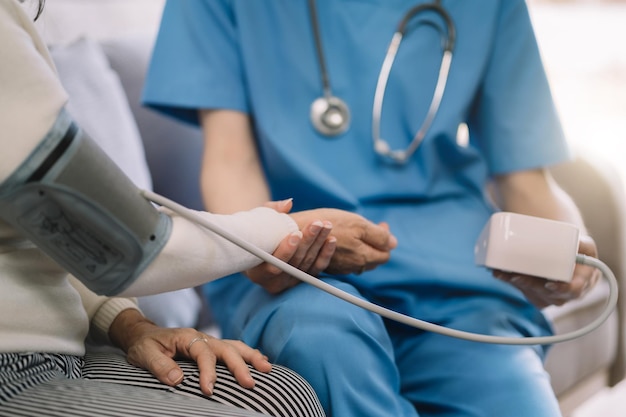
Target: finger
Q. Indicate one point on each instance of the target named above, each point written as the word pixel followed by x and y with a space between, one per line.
pixel 309 236
pixel 538 291
pixel 233 360
pixel 287 249
pixel 311 244
pixel 324 257
pixel 320 263
pixel 261 363
pixel 552 292
pixel 371 257
pixel 254 357
pixel 585 278
pixel 587 246
pixel 268 275
pixel 283 206
pixel 200 350
pixel 379 237
pixel 163 367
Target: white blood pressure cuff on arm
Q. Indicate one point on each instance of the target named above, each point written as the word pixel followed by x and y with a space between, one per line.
pixel 78 207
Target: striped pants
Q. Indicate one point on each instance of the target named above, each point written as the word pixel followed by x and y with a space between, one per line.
pixel 105 384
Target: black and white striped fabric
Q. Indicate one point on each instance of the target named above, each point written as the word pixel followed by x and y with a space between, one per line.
pixel 19 372
pixel 110 386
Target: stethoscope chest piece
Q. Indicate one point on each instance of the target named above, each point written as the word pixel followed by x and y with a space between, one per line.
pixel 330 115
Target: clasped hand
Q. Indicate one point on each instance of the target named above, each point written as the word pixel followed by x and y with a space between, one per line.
pixel 355 245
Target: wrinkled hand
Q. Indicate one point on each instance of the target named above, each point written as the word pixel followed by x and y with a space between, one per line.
pixel 542 292
pixel 360 244
pixel 310 250
pixel 153 348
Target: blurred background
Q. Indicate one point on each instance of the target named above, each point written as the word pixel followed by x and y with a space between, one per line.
pixel 584 50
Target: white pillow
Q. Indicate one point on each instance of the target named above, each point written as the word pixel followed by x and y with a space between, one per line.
pixel 99 106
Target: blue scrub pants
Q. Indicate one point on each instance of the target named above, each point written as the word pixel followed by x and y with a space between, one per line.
pixel 360 367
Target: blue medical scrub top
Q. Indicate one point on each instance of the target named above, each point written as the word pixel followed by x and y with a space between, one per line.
pixel 259 57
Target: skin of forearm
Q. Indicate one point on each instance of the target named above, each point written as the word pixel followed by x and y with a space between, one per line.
pixel 232 178
pixel 536 193
pixel 227 189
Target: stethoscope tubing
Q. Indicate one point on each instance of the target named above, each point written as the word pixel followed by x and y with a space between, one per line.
pixel 327 91
pixel 329 101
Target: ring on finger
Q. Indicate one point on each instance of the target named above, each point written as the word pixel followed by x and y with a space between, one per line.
pixel 197 339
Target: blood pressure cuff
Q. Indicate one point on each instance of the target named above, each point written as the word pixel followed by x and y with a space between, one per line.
pixel 77 206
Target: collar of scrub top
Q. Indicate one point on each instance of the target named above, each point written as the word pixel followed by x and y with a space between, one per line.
pixel 331 116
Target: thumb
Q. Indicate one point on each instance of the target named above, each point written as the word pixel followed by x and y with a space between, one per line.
pixel 380 237
pixel 283 206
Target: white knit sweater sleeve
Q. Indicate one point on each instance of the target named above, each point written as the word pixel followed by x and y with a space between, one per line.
pixel 101 310
pixel 194 255
pixel 31 95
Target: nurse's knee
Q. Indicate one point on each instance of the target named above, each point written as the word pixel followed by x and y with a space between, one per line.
pixel 308 311
pixel 307 300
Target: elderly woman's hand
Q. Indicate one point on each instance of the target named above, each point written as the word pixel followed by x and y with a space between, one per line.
pixel 334 241
pixel 543 293
pixel 153 348
pixel 361 244
pixel 309 250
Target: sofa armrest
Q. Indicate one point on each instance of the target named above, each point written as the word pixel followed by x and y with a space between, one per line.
pixel 597 189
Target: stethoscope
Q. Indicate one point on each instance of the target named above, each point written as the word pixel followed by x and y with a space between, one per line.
pixel 330 115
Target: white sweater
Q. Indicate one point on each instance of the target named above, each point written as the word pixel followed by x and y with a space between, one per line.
pixel 42 308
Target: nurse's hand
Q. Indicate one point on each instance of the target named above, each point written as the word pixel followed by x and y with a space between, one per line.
pixel 310 252
pixel 361 244
pixel 542 292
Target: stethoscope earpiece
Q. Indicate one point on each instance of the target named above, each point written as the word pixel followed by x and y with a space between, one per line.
pixel 330 115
